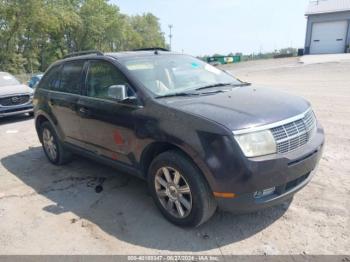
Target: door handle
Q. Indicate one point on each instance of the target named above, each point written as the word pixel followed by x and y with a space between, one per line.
pixel 83 111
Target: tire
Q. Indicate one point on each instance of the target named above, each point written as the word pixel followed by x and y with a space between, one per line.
pixel 198 205
pixel 61 155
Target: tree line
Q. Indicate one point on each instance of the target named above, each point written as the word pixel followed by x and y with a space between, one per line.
pixel 35 33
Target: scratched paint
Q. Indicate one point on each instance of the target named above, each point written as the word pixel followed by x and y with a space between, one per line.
pixel 114 156
pixel 118 139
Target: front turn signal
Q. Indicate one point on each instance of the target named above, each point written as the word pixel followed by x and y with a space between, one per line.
pixel 224 195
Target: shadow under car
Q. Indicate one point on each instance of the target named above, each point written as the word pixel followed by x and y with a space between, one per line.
pixel 124 208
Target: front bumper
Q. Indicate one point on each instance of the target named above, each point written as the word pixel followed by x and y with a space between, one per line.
pixel 288 174
pixel 248 203
pixel 16 110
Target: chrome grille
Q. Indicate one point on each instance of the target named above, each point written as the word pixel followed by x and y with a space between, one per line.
pixel 295 134
pixel 14 100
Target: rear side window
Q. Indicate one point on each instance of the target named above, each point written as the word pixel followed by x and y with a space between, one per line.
pixel 71 75
pixel 51 79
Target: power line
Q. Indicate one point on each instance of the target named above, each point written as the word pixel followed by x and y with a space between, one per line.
pixel 170 36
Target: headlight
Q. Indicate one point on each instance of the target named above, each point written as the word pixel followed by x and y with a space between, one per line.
pixel 257 143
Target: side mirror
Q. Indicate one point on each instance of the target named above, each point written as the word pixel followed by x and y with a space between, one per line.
pixel 118 92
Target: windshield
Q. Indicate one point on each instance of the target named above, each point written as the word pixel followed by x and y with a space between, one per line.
pixel 8 80
pixel 170 74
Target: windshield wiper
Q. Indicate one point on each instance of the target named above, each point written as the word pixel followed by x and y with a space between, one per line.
pixel 213 92
pixel 223 84
pixel 204 87
pixel 214 85
pixel 242 84
pixel 177 94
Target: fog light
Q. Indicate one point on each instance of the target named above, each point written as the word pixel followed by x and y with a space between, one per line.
pixel 264 193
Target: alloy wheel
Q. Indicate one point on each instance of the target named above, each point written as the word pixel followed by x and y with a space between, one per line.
pixel 49 144
pixel 173 192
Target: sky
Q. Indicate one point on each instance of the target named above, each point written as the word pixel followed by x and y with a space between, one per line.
pixel 202 27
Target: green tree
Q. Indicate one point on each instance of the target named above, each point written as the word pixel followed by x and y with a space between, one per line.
pixel 148 28
pixel 34 33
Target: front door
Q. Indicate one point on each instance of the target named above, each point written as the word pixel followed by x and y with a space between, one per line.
pixel 107 125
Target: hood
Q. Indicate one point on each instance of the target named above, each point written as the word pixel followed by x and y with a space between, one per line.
pixel 243 107
pixel 15 90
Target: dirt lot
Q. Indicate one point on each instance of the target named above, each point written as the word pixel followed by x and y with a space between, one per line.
pixel 54 210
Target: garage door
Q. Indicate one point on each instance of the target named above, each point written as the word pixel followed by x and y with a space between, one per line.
pixel 328 37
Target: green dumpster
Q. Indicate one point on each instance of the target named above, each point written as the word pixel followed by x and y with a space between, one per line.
pixel 224 59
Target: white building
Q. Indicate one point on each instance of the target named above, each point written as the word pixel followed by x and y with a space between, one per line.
pixel 328 27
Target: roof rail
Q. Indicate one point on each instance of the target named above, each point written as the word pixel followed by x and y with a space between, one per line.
pixel 83 53
pixel 152 49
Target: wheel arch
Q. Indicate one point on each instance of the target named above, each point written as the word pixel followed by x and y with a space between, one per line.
pixel 156 148
pixel 40 118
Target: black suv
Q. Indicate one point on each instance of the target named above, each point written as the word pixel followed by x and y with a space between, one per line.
pixel 200 137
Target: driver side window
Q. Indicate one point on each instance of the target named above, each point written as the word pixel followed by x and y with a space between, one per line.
pixel 101 77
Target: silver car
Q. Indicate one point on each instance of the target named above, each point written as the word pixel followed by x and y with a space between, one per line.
pixel 15 98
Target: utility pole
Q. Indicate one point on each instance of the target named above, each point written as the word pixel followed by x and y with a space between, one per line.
pixel 170 36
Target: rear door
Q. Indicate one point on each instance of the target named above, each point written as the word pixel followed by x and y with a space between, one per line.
pixel 107 125
pixel 63 100
pixel 328 37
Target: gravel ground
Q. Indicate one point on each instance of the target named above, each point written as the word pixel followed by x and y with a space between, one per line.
pixel 54 210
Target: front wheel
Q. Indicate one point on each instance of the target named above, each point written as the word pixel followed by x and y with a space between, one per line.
pixel 179 190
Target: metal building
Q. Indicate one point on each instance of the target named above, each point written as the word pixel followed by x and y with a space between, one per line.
pixel 328 27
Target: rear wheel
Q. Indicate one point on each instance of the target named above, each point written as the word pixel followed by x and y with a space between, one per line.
pixel 179 190
pixel 52 146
